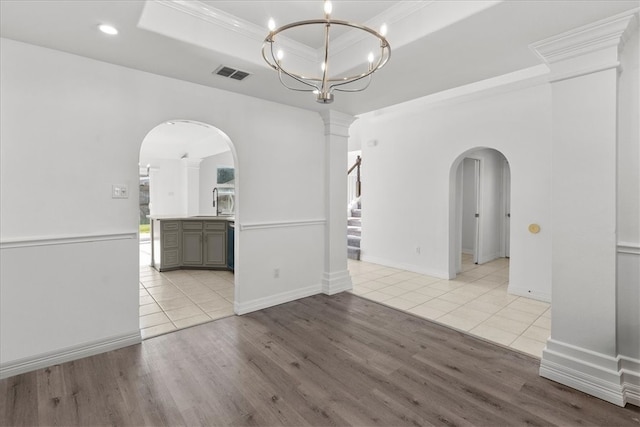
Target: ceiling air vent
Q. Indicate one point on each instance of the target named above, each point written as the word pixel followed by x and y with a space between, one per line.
pixel 231 73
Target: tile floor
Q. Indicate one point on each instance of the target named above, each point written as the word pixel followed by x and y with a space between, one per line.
pixel 178 299
pixel 476 301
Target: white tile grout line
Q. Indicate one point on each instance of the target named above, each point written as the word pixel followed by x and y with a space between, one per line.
pixel 187 296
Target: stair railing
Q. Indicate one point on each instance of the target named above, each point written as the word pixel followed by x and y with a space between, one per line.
pixel 355 186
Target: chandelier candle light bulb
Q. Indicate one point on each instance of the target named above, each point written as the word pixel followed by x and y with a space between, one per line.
pixel 327 8
pixel 325 84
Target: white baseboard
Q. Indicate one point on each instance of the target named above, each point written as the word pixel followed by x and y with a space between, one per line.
pixel 524 292
pixel 630 380
pixel 336 282
pixel 68 354
pixel 614 379
pixel 266 302
pixel 407 267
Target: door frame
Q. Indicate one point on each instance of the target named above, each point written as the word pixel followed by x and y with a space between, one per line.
pixel 506 198
pixel 455 210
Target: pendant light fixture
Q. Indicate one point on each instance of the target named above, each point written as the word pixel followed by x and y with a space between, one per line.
pixel 324 83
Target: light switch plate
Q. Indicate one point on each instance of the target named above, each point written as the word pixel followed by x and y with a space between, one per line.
pixel 119 192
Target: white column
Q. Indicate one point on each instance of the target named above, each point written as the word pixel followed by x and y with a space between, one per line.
pixel 153 191
pixel 336 276
pixel 582 350
pixel 192 185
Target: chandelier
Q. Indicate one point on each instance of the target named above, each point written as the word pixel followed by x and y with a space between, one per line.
pixel 323 84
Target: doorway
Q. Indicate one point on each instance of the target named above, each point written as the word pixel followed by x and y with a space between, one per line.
pixel 470 207
pixel 480 209
pixel 182 160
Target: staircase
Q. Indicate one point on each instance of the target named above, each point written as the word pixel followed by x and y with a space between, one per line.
pixel 354 232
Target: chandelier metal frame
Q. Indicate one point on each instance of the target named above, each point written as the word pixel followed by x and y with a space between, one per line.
pixel 324 85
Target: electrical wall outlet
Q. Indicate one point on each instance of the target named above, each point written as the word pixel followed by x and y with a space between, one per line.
pixel 276 273
pixel 119 192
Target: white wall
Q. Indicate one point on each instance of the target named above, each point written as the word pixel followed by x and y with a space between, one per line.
pixel 408 177
pixel 71 133
pixel 167 188
pixel 208 178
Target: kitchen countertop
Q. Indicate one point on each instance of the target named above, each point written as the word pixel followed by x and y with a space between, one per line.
pixel 194 218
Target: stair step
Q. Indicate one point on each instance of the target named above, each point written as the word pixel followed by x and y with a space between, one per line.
pixel 356 213
pixel 354 241
pixel 354 230
pixel 353 253
pixel 354 222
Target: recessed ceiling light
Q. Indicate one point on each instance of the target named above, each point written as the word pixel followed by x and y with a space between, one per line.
pixel 108 29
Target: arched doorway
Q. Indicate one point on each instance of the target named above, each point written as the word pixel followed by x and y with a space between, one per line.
pixel 479 208
pixel 190 169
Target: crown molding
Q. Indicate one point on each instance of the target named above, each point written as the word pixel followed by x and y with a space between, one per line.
pixel 198 9
pixel 336 122
pixel 603 34
pixel 239 26
pixel 393 15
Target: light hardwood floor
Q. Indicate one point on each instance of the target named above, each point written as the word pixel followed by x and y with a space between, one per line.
pixel 339 360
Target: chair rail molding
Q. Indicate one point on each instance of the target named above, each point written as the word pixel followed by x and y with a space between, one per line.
pixel 63 240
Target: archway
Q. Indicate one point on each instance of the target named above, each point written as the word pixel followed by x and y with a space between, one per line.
pixel 479 211
pixel 191 169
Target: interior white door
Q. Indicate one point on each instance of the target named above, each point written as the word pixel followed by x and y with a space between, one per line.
pixel 470 207
pixel 476 172
pixel 506 174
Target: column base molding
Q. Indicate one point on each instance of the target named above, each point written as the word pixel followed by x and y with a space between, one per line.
pixel 613 379
pixel 336 282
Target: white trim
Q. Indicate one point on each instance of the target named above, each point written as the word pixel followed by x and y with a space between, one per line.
pixel 630 369
pixel 239 26
pixel 628 248
pixel 517 80
pixel 576 379
pixel 594 373
pixel 64 240
pixel 336 282
pixel 67 354
pixel 596 68
pixel 336 123
pixel 391 16
pixel 271 300
pixel 408 267
pixel 592 37
pixel 282 224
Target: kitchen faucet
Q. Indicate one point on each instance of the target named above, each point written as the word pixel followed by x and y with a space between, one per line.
pixel 215 200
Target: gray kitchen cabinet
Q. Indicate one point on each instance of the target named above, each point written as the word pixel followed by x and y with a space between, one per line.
pixel 165 247
pixel 189 243
pixel 215 244
pixel 192 253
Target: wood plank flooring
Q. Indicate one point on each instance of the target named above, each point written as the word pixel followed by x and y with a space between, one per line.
pixel 321 361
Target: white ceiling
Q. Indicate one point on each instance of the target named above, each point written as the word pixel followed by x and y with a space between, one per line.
pixel 436 45
pixel 181 140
